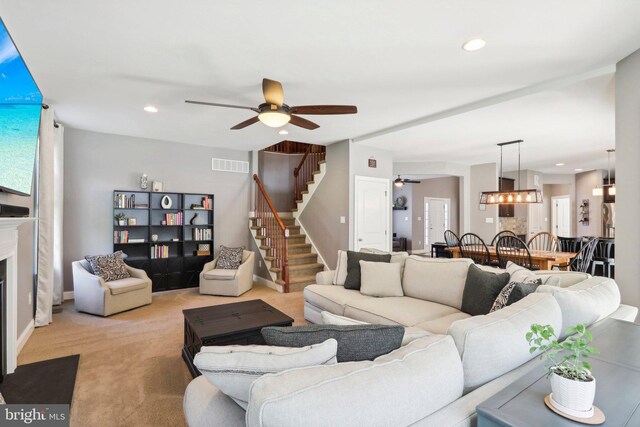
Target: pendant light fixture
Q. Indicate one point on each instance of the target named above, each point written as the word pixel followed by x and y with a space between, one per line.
pixel 611 189
pixel 510 197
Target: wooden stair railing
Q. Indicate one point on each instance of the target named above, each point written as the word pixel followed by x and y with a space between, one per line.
pixel 303 173
pixel 276 233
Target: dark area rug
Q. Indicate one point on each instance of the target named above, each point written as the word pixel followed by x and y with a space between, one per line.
pixel 47 382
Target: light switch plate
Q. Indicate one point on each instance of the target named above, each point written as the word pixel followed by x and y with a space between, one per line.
pixel 406 218
pixel 419 218
pixel 343 220
pixel 489 220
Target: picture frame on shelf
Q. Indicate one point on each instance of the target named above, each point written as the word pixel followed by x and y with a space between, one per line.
pixel 132 221
pixel 157 186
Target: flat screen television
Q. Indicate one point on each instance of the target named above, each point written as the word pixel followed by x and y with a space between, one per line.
pixel 20 106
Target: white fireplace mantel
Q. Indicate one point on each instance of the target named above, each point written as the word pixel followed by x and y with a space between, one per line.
pixel 9 251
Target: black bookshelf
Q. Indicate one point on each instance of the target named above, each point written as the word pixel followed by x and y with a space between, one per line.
pixel 180 265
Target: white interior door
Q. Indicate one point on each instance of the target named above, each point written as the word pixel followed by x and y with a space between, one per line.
pixel 436 220
pixel 372 213
pixel 561 216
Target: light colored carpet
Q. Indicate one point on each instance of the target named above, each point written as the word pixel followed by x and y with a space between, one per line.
pixel 131 370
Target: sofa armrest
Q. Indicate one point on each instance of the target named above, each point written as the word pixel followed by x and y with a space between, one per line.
pixel 137 273
pixel 325 277
pixel 81 277
pixel 206 406
pixel 210 265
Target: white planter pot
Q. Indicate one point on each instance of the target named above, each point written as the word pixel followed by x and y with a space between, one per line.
pixel 573 397
pixel 122 222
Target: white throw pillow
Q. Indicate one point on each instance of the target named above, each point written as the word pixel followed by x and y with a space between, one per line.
pixel 233 368
pixel 341 269
pixel 380 279
pixel 410 334
pixel 397 257
pixel 524 275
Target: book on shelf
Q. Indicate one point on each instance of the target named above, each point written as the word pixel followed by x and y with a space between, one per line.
pixel 159 251
pixel 122 201
pixel 136 240
pixel 207 203
pixel 173 218
pixel 121 236
pixel 201 234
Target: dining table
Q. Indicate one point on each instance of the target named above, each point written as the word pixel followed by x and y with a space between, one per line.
pixel 541 259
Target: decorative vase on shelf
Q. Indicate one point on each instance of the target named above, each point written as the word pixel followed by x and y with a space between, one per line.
pixel 196 220
pixel 166 202
pixel 144 181
pixel 154 237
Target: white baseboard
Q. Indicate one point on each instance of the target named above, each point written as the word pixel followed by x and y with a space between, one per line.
pixel 266 282
pixel 67 295
pixel 25 335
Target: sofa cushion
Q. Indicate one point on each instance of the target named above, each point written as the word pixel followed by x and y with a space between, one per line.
pixel 562 278
pixel 396 257
pixel 109 267
pixel 493 344
pixel 410 332
pixel 440 280
pixel 220 274
pixel 353 266
pixel 121 286
pixel 230 258
pixel 397 389
pixel 586 302
pixel 330 298
pixel 355 342
pixel 481 290
pixel 396 310
pixel 380 279
pixel 441 324
pixel 233 368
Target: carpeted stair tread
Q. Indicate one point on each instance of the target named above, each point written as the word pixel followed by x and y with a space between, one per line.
pixel 296 267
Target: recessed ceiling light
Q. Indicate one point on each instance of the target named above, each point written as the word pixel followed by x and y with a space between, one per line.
pixel 578 169
pixel 559 164
pixel 474 44
pixel 150 109
pixel 283 132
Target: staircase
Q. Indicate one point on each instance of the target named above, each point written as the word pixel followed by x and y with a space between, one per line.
pixel 288 253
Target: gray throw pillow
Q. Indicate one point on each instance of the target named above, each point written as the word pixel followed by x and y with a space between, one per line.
pixel 110 267
pixel 355 342
pixel 353 266
pixel 229 258
pixel 481 290
pixel 521 290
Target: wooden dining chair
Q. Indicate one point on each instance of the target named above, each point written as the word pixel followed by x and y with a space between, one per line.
pixel 582 261
pixel 472 246
pixel 451 239
pixel 500 234
pixel 543 241
pixel 514 249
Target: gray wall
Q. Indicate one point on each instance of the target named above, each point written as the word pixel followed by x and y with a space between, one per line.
pixel 585 183
pixel 321 217
pixel 276 174
pixel 446 188
pixel 97 163
pixel 628 177
pixel 484 177
pixel 25 260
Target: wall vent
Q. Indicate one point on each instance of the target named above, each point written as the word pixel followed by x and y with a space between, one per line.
pixel 224 165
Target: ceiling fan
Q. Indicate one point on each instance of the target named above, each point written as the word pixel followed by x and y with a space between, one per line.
pixel 275 113
pixel 399 182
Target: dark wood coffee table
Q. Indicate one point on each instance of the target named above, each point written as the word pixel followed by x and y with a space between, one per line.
pixel 227 324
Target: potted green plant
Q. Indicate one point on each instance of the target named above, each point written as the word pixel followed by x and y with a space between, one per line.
pixel 573 386
pixel 121 219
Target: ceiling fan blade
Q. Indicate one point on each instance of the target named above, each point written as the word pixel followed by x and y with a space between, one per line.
pixel 246 123
pixel 325 109
pixel 303 123
pixel 273 92
pixel 221 105
pixel 411 181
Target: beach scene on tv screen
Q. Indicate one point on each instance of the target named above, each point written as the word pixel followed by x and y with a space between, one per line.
pixel 20 104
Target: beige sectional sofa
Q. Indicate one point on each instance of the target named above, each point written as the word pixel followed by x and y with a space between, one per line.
pixel 437 380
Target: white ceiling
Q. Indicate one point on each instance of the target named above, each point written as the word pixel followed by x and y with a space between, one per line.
pixel 99 63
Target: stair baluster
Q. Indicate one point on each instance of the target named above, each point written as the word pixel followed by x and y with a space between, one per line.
pixel 303 173
pixel 276 233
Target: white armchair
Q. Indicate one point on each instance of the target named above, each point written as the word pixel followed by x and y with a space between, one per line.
pixel 93 295
pixel 233 283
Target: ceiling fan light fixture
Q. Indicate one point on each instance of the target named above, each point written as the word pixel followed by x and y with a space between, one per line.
pixel 274 119
pixel 398 182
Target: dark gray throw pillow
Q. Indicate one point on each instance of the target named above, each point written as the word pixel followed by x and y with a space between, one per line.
pixel 521 290
pixel 481 290
pixel 353 266
pixel 355 342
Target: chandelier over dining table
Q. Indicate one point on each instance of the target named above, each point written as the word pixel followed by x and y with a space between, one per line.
pixel 518 196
